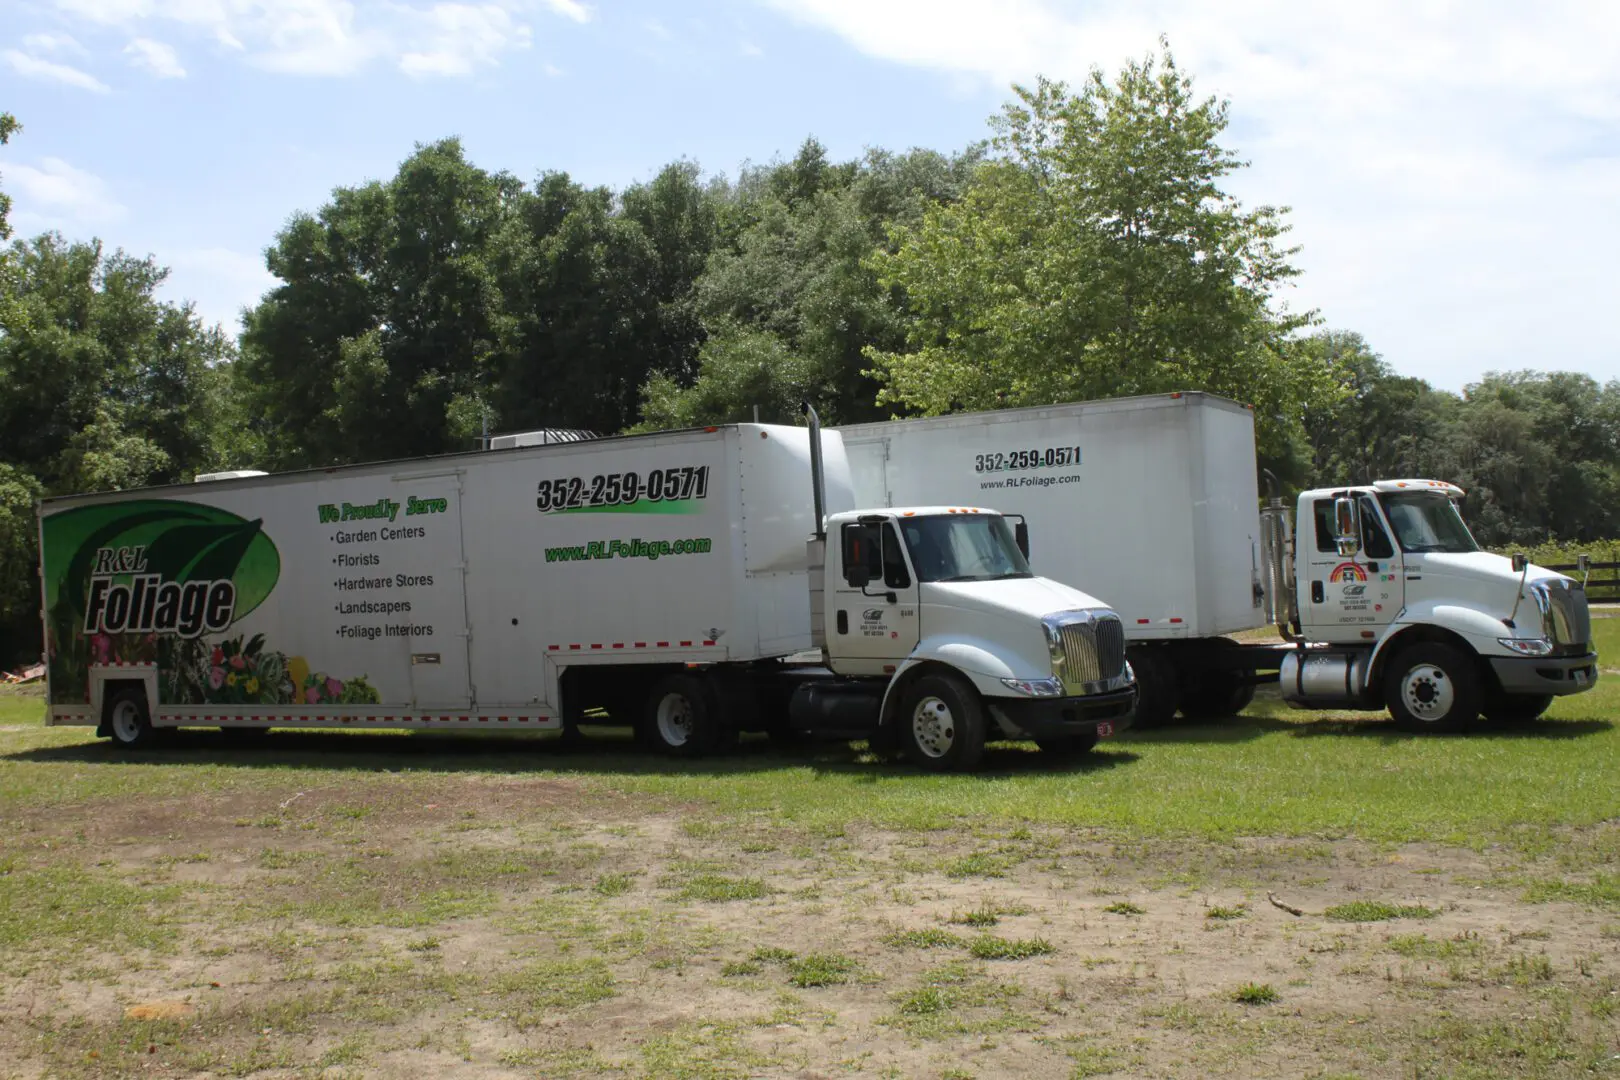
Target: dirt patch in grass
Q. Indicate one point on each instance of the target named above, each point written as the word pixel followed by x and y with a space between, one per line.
pixel 469 925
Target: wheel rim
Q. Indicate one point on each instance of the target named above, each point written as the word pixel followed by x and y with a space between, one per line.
pixel 126 721
pixel 675 719
pixel 932 727
pixel 1427 692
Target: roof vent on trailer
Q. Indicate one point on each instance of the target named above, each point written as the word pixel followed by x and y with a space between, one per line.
pixel 232 474
pixel 543 437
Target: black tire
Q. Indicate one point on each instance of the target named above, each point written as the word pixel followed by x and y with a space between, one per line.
pixel 1158 691
pixel 1213 693
pixel 1516 708
pixel 129 721
pixel 680 718
pixel 1068 745
pixel 942 724
pixel 1217 695
pixel 1433 687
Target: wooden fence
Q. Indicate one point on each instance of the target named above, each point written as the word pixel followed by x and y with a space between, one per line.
pixel 1603 587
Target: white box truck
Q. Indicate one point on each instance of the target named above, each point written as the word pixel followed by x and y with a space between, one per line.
pixel 662 578
pixel 1153 502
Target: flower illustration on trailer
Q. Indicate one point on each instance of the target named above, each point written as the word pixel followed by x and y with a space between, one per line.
pixel 216 678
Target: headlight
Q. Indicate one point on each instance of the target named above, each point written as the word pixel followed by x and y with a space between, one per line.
pixel 1052 687
pixel 1527 646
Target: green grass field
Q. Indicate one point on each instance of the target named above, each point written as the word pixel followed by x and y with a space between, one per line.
pixel 1275 772
pixel 382 904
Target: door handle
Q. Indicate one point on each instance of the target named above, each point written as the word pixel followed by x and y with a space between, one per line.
pixel 1317 594
pixel 843 621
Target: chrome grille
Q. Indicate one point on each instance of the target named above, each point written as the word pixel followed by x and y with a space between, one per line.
pixel 1567 620
pixel 1093 649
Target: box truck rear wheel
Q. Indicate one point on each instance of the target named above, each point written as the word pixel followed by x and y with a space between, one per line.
pixel 942 723
pixel 1432 686
pixel 1158 689
pixel 680 718
pixel 128 719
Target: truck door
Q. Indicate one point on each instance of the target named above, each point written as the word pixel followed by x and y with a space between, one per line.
pixel 874 626
pixel 1348 598
pixel 430 575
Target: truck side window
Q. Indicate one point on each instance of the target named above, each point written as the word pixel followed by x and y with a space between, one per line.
pixel 885 563
pixel 895 575
pixel 1322 511
pixel 861 549
pixel 1374 541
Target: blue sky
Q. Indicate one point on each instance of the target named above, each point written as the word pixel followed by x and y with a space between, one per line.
pixel 1453 168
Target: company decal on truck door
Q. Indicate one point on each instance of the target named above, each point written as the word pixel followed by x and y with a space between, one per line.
pixel 660 491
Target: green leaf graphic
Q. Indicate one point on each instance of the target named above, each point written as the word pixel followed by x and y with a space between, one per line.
pixel 184 542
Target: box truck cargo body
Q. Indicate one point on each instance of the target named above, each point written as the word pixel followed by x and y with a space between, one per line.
pixel 1153 497
pixel 1384 600
pixel 661 578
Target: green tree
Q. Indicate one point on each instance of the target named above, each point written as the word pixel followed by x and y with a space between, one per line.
pixel 1382 426
pixel 388 315
pixel 102 386
pixel 599 291
pixel 1539 454
pixel 790 304
pixel 1096 255
pixel 8 310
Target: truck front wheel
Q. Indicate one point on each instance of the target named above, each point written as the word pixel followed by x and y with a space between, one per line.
pixel 942 724
pixel 1432 687
pixel 680 719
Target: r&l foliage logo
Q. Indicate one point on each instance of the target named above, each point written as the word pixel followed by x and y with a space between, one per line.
pixel 122 577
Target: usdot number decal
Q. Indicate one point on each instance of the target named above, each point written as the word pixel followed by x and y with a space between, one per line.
pixel 1034 458
pixel 620 489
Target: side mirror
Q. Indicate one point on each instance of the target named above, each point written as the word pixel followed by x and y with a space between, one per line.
pixel 1021 537
pixel 857 575
pixel 1583 563
pixel 1520 562
pixel 1347 526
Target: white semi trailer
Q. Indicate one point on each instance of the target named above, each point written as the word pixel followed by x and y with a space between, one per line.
pixel 663 578
pixel 1384 600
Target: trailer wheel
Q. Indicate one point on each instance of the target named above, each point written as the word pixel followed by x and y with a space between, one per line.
pixel 1516 708
pixel 680 717
pixel 1068 745
pixel 128 719
pixel 1158 692
pixel 942 724
pixel 1432 687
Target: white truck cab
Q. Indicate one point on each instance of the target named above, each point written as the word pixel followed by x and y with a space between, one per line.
pixel 934 607
pixel 1387 599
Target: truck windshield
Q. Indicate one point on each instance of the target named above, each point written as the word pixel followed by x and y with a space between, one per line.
pixel 1427 523
pixel 966 547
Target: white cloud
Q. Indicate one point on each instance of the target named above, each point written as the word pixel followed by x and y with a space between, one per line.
pixel 468 37
pixel 569 9
pixel 53 45
pixel 155 57
pixel 55 195
pixel 1435 154
pixel 342 37
pixel 33 67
